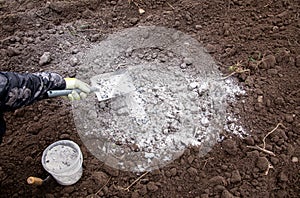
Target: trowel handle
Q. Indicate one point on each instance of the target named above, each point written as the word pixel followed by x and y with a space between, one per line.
pixel 34 181
pixel 65 92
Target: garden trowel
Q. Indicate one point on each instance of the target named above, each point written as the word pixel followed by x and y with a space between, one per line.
pixel 105 86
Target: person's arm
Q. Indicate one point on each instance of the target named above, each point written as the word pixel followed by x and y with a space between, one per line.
pixel 17 90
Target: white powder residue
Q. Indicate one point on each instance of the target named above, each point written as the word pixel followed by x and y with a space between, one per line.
pixel 60 157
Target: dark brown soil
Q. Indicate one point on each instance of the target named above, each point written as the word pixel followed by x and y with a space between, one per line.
pixel 262 36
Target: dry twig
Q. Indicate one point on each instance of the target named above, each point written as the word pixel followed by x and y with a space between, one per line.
pixel 103 186
pixel 140 177
pixel 170 6
pixel 264 139
pixel 268 169
pixel 262 149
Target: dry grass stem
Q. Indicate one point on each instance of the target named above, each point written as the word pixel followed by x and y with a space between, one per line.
pixel 268 169
pixel 170 5
pixel 264 142
pixel 264 139
pixel 134 182
pixel 103 186
pixel 262 149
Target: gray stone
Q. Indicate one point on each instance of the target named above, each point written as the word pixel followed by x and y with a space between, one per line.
pixel 74 61
pixel 289 118
pixel 188 61
pixel 134 20
pixel 210 48
pixel 45 58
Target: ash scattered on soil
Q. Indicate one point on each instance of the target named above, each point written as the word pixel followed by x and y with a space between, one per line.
pixel 179 100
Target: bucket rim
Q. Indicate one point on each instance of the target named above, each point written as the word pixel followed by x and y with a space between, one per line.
pixel 71 167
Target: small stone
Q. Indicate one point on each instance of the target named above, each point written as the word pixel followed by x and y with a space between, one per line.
pixel 260 99
pixel 74 61
pixel 113 3
pixel 75 51
pixel 149 155
pixel 193 85
pixel 45 58
pixel 183 66
pixel 52 31
pixel 134 21
pixel 295 159
pixel 262 163
pixel 188 61
pixel 198 27
pixel 141 11
pixel 152 187
pixel 210 48
pixel 235 177
pixel 289 118
pixel 177 24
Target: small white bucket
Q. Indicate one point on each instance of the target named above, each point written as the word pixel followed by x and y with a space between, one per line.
pixel 63 160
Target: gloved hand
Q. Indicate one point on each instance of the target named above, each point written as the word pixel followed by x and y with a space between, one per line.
pixel 73 83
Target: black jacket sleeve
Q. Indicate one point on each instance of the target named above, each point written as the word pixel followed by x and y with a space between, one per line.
pixel 17 90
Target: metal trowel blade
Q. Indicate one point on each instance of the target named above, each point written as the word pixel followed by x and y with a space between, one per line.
pixel 113 84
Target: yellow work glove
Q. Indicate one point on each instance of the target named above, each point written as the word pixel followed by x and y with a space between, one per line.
pixel 73 83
